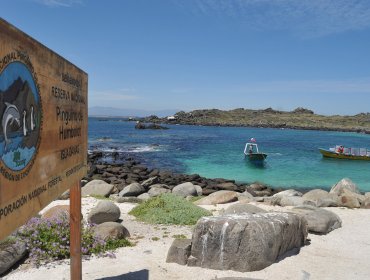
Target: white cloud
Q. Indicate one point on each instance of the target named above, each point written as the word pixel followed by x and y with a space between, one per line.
pixel 59 3
pixel 305 18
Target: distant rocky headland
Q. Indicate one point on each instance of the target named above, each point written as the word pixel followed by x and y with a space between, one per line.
pixel 299 118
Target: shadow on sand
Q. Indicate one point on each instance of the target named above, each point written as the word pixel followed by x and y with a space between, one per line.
pixel 137 275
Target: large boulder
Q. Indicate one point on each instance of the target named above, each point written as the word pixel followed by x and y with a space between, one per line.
pixel 366 203
pixel 56 211
pixel 98 188
pixel 289 192
pixel 322 198
pixel 245 242
pixel 344 184
pixel 105 211
pixel 157 190
pixel 179 251
pixel 133 189
pixel 286 198
pixel 294 201
pixel 219 197
pixel 185 189
pixel 350 199
pixel 110 230
pixel 242 208
pixel 10 254
pixel 318 220
pixel 245 197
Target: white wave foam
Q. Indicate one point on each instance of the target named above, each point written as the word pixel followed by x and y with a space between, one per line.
pixel 132 149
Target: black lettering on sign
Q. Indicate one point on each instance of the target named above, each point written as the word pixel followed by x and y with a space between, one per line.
pixel 69 152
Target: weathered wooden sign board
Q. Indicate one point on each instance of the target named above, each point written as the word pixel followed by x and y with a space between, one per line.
pixel 43 128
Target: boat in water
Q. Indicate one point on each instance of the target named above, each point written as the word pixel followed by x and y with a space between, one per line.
pixel 253 154
pixel 340 152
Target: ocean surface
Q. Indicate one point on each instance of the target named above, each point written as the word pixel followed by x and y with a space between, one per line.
pixel 217 152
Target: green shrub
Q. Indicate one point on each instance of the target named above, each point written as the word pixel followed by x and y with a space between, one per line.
pixel 169 209
pixel 48 240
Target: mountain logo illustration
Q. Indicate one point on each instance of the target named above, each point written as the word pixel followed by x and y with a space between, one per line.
pixel 20 113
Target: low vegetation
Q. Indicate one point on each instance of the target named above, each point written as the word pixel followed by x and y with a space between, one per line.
pixel 169 209
pixel 48 240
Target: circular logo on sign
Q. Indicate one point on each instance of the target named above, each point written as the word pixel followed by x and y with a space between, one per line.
pixel 20 114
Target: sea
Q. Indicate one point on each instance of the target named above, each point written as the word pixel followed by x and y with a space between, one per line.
pixel 293 161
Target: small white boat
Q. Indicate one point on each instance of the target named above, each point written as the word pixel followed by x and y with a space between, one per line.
pixel 253 154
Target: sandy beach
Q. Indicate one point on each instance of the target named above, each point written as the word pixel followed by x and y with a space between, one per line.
pixel 341 254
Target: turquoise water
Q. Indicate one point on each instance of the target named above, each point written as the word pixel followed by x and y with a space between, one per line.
pixel 293 157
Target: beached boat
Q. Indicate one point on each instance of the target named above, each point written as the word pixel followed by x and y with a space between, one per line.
pixel 253 154
pixel 341 152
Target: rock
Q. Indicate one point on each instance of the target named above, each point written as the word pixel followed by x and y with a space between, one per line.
pixel 286 198
pixel 128 199
pixel 10 254
pixel 349 199
pixel 367 194
pixel 140 125
pixel 179 251
pixel 157 190
pixel 242 208
pixel 247 242
pixel 65 195
pixel 185 189
pixel 256 187
pixel 110 230
pixel 98 188
pixel 218 197
pixel 56 211
pixel 318 220
pixel 264 193
pixel 321 198
pixel 105 211
pixel 294 201
pixel 245 197
pixel 343 184
pixel 199 190
pixel 144 196
pixel 366 203
pixel 133 189
pixel 207 191
pixel 290 192
pixel 228 186
pixel 151 181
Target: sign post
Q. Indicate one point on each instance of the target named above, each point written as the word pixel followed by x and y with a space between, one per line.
pixel 75 224
pixel 43 133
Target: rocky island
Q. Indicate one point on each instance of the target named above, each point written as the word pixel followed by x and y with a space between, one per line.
pixel 300 118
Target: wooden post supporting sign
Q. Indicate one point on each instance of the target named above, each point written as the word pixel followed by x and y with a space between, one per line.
pixel 75 240
pixel 43 133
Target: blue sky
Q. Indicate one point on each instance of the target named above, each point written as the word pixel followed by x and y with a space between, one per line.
pixel 192 54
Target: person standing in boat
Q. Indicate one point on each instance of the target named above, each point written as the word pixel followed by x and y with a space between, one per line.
pixel 341 149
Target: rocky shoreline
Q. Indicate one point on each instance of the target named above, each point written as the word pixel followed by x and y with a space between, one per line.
pixel 128 179
pixel 122 171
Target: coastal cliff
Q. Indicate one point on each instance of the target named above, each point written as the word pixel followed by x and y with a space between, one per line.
pixel 299 118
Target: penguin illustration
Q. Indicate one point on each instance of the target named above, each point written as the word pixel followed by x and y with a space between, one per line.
pixel 24 123
pixel 33 125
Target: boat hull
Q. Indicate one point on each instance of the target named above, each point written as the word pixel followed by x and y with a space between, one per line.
pixel 330 154
pixel 257 158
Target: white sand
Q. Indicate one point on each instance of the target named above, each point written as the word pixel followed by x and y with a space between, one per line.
pixel 341 254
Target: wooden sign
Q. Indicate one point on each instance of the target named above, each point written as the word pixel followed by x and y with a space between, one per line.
pixel 43 128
